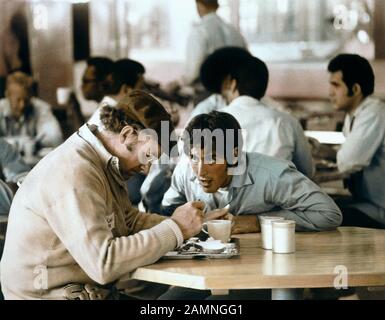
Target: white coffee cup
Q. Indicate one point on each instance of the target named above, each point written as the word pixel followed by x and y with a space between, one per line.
pixel 267 230
pixel 283 236
pixel 63 95
pixel 218 229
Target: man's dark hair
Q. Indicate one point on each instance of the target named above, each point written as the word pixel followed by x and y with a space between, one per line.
pixel 125 72
pixel 219 65
pixel 209 3
pixel 252 77
pixel 103 66
pixel 199 128
pixel 355 69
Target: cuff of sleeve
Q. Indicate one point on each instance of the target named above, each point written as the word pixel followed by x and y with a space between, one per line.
pixel 177 232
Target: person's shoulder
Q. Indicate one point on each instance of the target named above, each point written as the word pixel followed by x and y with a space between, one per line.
pixel 375 105
pixel 372 111
pixel 40 105
pixel 270 165
pixel 75 158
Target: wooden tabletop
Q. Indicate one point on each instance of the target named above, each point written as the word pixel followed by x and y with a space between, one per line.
pixel 318 259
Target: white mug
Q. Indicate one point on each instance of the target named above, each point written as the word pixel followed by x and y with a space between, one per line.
pixel 267 230
pixel 63 95
pixel 218 229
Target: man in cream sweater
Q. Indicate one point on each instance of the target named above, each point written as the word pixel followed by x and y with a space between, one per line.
pixel 72 232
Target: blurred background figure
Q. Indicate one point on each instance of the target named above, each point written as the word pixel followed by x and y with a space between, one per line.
pixel 14 49
pixel 27 121
pixel 94 80
pixel 210 34
pixel 205 37
pixel 12 170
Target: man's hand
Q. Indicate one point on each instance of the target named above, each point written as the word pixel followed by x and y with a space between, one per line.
pixel 321 151
pixel 216 214
pixel 189 218
pixel 245 224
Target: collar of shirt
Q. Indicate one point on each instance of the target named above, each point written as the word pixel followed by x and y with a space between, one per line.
pixel 245 101
pixel 363 105
pixel 209 17
pixel 87 132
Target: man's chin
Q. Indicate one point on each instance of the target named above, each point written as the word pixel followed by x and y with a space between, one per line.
pixel 208 189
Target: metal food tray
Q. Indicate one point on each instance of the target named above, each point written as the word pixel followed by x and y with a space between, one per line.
pixel 231 250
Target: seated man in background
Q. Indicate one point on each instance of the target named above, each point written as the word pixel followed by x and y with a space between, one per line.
pixel 72 232
pixel 362 156
pixel 126 75
pixel 24 119
pixel 94 80
pixel 217 172
pixel 12 169
pixel 267 130
pixel 214 71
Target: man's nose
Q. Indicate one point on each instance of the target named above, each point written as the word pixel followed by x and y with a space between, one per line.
pixel 201 169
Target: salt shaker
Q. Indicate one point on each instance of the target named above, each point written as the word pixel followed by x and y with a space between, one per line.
pixel 267 231
pixel 283 236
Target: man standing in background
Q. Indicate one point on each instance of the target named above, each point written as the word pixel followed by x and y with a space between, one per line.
pixel 209 34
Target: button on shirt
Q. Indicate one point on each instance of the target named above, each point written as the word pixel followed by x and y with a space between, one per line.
pixel 363 155
pixel 271 132
pixel 37 122
pixel 266 185
pixel 209 34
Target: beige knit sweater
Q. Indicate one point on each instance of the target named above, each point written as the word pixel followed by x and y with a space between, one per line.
pixel 71 222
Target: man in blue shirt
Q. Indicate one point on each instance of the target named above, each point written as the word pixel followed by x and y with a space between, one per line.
pixel 218 173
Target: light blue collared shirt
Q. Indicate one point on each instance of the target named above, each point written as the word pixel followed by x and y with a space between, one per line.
pixel 266 185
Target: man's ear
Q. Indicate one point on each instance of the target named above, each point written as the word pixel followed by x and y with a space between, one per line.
pixel 234 87
pixel 356 89
pixel 128 135
pixel 124 89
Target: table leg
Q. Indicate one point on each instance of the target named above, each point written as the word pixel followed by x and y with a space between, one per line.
pixel 286 294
